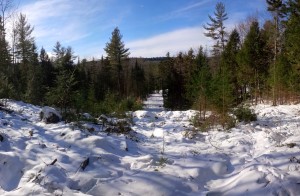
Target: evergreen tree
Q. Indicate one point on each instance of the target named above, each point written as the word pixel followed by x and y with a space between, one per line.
pixel 216 29
pixel 221 91
pixel 34 91
pixel 6 88
pixel 5 62
pixel 24 39
pixel 284 79
pixel 252 63
pixel 4 52
pixel 229 60
pixel 24 44
pixel 63 94
pixel 64 57
pixel 275 7
pixel 48 71
pixel 116 52
pixel 292 42
pixel 138 80
pixel 199 83
pixel 292 38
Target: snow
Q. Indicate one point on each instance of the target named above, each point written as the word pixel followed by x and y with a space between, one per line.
pixel 260 158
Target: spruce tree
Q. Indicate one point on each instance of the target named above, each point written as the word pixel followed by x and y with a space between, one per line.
pixel 116 52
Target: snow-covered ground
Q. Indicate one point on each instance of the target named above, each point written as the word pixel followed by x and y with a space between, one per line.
pixel 261 158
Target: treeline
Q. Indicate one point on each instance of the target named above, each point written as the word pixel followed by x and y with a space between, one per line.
pixel 253 63
pixel 114 84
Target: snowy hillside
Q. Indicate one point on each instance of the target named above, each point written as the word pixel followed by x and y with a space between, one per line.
pixel 159 157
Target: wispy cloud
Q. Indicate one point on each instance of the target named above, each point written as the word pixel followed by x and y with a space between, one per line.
pixel 192 6
pixel 62 20
pixel 182 39
pixel 182 11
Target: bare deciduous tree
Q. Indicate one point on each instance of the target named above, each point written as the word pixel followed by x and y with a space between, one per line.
pixel 6 9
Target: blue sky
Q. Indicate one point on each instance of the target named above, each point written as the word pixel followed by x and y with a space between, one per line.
pixel 149 27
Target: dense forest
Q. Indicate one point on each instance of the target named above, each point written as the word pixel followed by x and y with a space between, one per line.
pixel 256 62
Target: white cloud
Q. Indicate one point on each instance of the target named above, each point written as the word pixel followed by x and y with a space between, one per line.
pixel 61 20
pixel 173 42
pixel 182 11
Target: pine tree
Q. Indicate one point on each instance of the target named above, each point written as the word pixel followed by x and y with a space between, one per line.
pixel 6 88
pixel 252 63
pixel 292 38
pixel 221 91
pixel 64 57
pixel 283 80
pixel 5 59
pixel 104 81
pixel 138 80
pixel 24 39
pixel 24 44
pixel 63 94
pixel 199 83
pixel 116 52
pixel 216 29
pixel 229 60
pixel 48 72
pixel 292 42
pixel 34 91
pixel 275 7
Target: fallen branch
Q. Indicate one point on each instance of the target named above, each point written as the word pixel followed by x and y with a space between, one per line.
pixel 84 163
pixel 53 162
